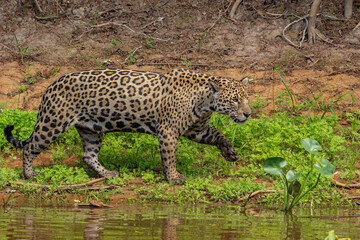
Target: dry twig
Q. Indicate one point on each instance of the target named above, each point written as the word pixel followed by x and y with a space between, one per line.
pixel 256 193
pixel 358 25
pixel 344 185
pixel 50 18
pixel 37 6
pixel 131 54
pixel 93 203
pixel 157 20
pixel 157 8
pixel 354 197
pixel 4 46
pixel 120 25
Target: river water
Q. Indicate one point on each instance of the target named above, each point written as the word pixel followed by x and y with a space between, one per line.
pixel 188 221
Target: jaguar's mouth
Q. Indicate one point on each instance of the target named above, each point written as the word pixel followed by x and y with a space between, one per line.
pixel 239 120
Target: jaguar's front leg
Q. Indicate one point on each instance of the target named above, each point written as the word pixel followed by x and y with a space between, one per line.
pixel 167 144
pixel 212 136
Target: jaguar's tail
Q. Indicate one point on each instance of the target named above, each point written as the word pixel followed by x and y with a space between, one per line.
pixel 11 139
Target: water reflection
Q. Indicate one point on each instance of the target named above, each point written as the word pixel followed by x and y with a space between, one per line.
pixel 293 228
pixel 92 227
pixel 169 227
pixel 134 221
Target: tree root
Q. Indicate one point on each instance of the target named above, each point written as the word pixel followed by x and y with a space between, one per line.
pixel 304 31
pixel 233 9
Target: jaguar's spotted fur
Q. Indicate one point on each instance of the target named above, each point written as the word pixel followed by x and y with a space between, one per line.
pixel 170 105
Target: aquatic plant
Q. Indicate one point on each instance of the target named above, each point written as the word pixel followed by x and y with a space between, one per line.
pixel 293 189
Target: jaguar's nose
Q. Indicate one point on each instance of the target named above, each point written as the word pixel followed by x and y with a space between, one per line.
pixel 247 115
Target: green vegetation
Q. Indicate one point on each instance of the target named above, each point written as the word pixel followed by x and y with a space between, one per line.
pixel 95 22
pixel 132 57
pixel 186 63
pixel 292 187
pixel 62 174
pixel 332 236
pixel 257 106
pixel 100 62
pixel 318 105
pixel 115 45
pixel 24 52
pixel 150 43
pixel 6 202
pixel 210 177
pixel 56 71
pixel 29 78
pixel 21 88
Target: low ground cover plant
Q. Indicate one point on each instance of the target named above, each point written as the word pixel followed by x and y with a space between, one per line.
pixel 293 190
pixel 210 177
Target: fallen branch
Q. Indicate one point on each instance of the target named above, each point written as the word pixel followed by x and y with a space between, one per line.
pixel 93 204
pixel 322 37
pixel 345 185
pixel 276 15
pixel 68 187
pixel 157 8
pixel 354 197
pixel 331 217
pixel 50 18
pixel 157 20
pixel 12 50
pixel 120 25
pixel 37 6
pixel 358 25
pixel 179 63
pixel 97 187
pixel 132 54
pixel 256 193
pixel 333 18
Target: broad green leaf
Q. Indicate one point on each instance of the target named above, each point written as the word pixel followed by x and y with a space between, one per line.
pixel 311 145
pixel 294 188
pixel 291 175
pixel 325 167
pixel 331 236
pixel 274 165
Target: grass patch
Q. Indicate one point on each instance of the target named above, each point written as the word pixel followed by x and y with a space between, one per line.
pixel 210 177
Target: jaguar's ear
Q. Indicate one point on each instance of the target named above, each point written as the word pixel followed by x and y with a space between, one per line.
pixel 214 87
pixel 245 81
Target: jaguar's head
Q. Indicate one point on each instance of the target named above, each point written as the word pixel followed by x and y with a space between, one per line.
pixel 231 98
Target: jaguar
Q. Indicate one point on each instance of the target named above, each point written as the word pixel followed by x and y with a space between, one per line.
pixel 177 103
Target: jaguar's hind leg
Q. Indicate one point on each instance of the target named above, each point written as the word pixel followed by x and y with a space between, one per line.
pixel 28 158
pixel 91 143
pixel 39 140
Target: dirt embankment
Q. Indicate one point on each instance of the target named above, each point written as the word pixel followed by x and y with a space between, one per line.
pixel 41 43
